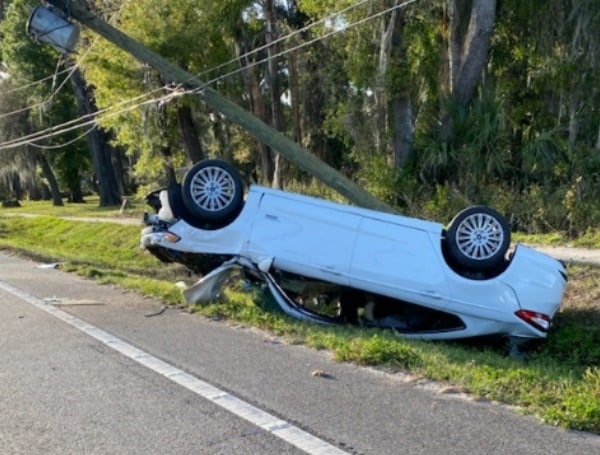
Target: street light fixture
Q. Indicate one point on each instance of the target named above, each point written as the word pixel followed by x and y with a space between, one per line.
pixel 47 26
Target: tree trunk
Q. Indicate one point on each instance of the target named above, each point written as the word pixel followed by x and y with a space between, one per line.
pixel 295 100
pixel 380 91
pixel 168 164
pixel 403 131
pixel 574 105
pixel 191 139
pixel 50 177
pixel 164 146
pixel 469 41
pixel 274 83
pixel 469 47
pixel 221 134
pixel 118 158
pixel 105 173
pixel 257 107
pixel 75 194
pixel 35 191
pixel 401 104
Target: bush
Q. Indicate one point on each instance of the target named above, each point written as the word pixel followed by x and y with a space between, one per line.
pixel 573 344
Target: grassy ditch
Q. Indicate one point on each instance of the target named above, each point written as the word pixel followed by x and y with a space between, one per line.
pixel 560 383
pixel 132 207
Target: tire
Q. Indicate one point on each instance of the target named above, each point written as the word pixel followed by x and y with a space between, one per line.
pixel 478 239
pixel 212 192
pixel 176 201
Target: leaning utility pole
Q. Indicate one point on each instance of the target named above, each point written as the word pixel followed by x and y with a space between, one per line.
pixel 265 133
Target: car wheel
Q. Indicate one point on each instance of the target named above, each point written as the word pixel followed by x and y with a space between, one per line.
pixel 478 238
pixel 212 192
pixel 176 201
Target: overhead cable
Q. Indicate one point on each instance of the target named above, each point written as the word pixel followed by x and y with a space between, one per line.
pixel 92 118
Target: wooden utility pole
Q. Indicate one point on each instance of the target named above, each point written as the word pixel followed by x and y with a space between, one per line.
pixel 265 133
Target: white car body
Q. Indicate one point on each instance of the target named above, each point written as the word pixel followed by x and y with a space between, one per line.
pixel 376 253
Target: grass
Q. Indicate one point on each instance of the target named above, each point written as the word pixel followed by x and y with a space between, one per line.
pixel 590 239
pixel 560 383
pixel 132 207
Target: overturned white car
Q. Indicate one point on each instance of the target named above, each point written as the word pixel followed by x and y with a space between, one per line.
pixel 333 263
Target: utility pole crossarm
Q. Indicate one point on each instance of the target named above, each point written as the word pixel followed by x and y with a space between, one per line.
pixel 265 133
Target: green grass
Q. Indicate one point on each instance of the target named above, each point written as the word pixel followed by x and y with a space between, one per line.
pixel 560 383
pixel 78 242
pixel 590 239
pixel 133 208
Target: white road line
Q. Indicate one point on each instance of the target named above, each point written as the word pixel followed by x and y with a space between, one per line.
pixel 280 428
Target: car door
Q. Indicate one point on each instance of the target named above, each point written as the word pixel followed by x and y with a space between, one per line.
pixel 304 235
pixel 399 261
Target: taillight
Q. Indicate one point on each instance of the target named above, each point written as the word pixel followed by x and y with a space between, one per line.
pixel 538 320
pixel 170 237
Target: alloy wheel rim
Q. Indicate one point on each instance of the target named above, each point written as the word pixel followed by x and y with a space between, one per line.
pixel 212 189
pixel 479 236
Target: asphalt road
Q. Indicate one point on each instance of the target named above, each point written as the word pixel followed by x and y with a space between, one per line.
pixel 86 369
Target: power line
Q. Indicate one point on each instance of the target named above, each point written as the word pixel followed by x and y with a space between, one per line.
pixel 65 144
pixel 31 84
pixel 81 121
pixel 286 37
pixel 200 75
pixel 56 130
pixel 71 69
pixel 307 43
pixel 55 91
pixel 76 123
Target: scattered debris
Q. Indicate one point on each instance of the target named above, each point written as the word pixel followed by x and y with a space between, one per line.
pixel 271 340
pixel 72 302
pixel 52 300
pixel 52 265
pixel 321 374
pixel 157 313
pixel 60 301
pixel 452 390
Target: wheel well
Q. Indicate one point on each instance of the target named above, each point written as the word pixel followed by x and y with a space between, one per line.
pixel 472 274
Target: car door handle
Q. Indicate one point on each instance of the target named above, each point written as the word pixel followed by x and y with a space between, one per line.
pixel 330 269
pixel 432 293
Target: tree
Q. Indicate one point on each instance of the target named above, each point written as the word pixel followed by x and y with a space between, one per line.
pixel 26 61
pixel 23 160
pixel 18 57
pixel 97 142
pixel 277 120
pixel 438 103
pixel 470 27
pixel 170 133
pixel 373 110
